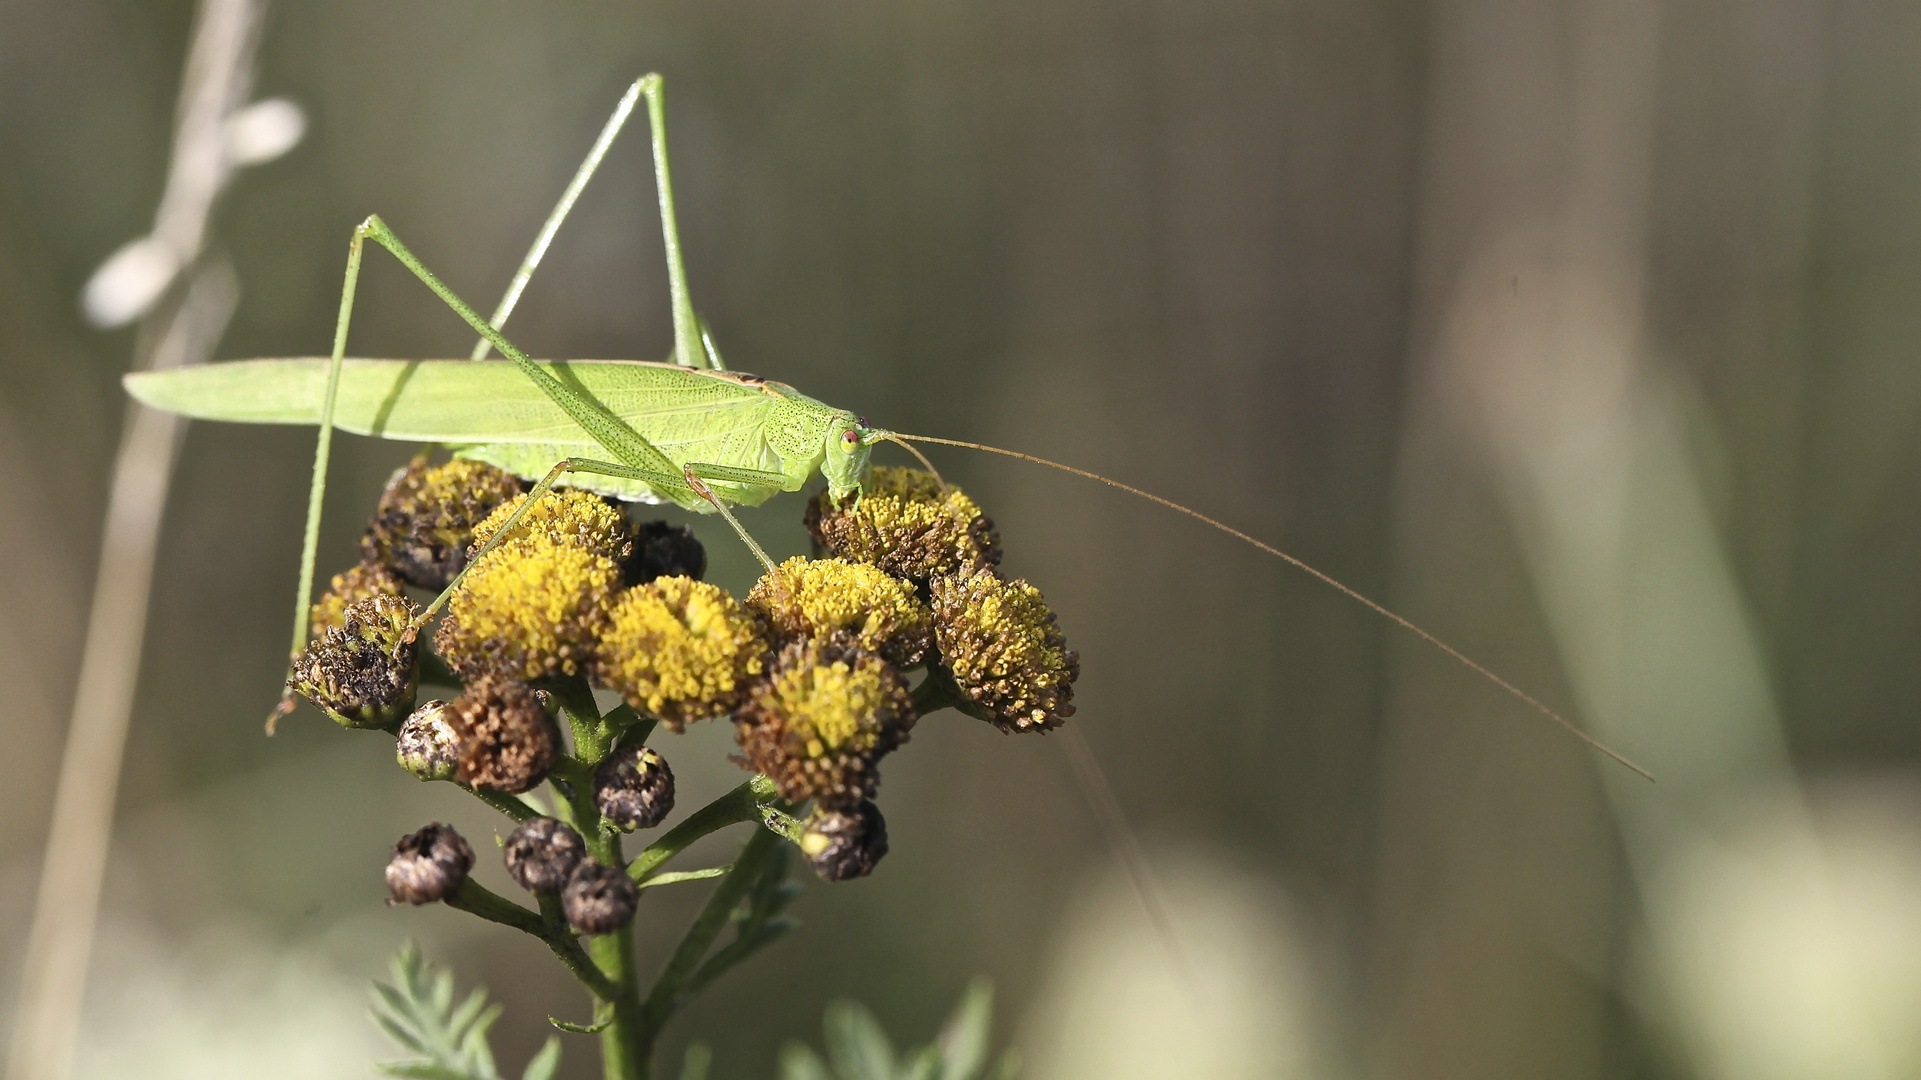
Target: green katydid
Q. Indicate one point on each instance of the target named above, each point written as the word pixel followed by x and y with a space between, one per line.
pixel 686 431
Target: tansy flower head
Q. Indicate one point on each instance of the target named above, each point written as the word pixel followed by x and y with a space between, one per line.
pixel 681 650
pixel 904 523
pixel 364 582
pixel 427 516
pixel 822 597
pixel 363 674
pixel 1003 651
pixel 564 516
pixel 507 740
pixel 528 610
pixel 818 724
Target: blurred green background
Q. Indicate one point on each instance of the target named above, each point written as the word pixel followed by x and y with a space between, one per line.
pixel 1580 331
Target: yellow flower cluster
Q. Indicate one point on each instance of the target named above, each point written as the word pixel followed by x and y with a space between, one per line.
pixel 823 717
pixel 426 518
pixel 905 523
pixel 566 517
pixel 531 608
pixel 1004 651
pixel 681 650
pixel 820 597
pixel 363 581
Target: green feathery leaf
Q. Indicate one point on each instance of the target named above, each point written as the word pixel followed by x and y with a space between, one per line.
pixel 418 1012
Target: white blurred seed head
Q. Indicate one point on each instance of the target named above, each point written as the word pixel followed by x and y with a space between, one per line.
pixel 129 282
pixel 263 131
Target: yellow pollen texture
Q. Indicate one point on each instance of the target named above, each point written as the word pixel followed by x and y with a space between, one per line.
pixel 681 649
pixel 532 608
pixel 817 596
pixel 564 516
pixel 832 706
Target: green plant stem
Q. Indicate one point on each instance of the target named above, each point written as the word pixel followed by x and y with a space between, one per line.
pixel 743 803
pixel 936 692
pixel 510 805
pixel 477 899
pixel 623 1053
pixel 670 988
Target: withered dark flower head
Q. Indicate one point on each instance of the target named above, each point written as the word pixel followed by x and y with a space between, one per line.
pixel 427 515
pixel 362 674
pixel 599 899
pixel 844 844
pixel 904 523
pixel 428 865
pixel 634 788
pixel 363 582
pixel 566 516
pixel 820 721
pixel 823 597
pixel 528 609
pixel 663 549
pixel 1000 645
pixel 681 650
pixel 427 746
pixel 541 853
pixel 507 739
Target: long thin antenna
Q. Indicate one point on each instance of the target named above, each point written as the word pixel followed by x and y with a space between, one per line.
pixel 920 457
pixel 1291 560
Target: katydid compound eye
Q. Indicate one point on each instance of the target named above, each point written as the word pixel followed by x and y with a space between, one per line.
pixel 850 437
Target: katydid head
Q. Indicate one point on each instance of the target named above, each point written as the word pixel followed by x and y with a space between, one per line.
pixel 849 444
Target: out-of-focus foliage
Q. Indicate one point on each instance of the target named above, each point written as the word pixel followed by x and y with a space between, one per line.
pixel 858 1047
pixel 417 1009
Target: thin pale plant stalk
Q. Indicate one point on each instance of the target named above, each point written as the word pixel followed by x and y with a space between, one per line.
pixel 218 79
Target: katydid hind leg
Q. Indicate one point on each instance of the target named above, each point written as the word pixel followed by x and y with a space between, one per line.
pixel 610 431
pixel 690 349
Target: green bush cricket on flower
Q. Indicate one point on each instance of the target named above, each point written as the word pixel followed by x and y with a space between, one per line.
pixel 686 431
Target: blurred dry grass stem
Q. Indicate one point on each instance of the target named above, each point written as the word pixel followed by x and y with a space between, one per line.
pixel 59 946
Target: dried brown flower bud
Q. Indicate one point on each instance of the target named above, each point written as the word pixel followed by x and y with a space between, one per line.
pixel 428 865
pixel 820 721
pixel 363 674
pixel 906 524
pixel 507 739
pixel 844 844
pixel 681 650
pixel 599 899
pixel 1003 652
pixel 427 515
pixel 821 597
pixel 427 746
pixel 363 582
pixel 542 852
pixel 634 788
pixel 662 549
